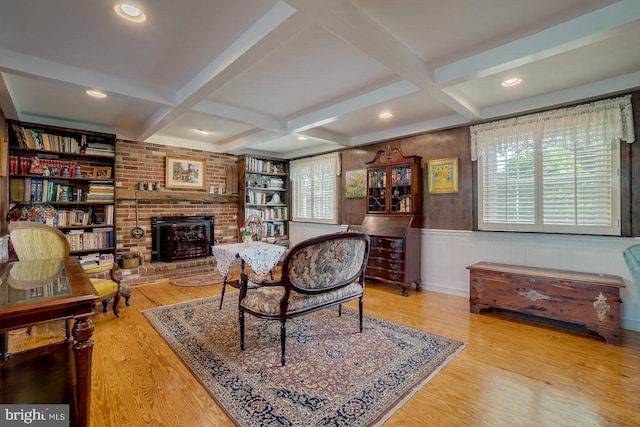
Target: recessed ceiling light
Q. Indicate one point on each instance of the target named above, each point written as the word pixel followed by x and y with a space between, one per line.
pixel 130 12
pixel 513 81
pixel 302 138
pixel 96 93
pixel 204 131
pixel 385 115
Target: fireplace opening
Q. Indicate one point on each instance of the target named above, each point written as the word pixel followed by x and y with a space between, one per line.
pixel 175 238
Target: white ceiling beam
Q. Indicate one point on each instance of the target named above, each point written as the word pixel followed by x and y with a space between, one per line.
pixel 247 139
pixel 183 143
pixel 273 29
pixel 412 129
pixel 322 116
pixel 582 31
pixel 239 115
pixel 356 28
pixel 45 70
pixel 565 96
pixel 7 106
pixel 326 136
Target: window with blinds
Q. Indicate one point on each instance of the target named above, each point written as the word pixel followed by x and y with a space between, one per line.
pixel 556 172
pixel 314 182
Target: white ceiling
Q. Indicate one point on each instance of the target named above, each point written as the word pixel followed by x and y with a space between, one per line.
pixel 258 73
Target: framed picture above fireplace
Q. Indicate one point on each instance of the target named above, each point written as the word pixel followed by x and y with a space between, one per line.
pixel 185 172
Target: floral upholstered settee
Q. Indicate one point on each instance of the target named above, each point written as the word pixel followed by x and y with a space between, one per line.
pixel 318 273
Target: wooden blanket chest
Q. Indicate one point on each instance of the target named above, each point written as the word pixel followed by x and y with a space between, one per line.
pixel 588 299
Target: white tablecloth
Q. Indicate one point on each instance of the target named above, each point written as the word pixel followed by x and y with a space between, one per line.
pixel 260 256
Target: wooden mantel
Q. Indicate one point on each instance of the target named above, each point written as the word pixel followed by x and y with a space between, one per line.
pixel 175 196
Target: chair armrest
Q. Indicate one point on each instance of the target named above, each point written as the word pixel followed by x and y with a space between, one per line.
pixel 96 269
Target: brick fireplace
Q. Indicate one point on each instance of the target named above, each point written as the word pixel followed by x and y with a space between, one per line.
pixel 145 162
pixel 175 238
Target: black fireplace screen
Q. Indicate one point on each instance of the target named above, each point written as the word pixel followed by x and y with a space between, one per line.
pixel 177 238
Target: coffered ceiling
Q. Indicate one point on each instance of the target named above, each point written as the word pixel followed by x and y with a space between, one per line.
pixel 257 74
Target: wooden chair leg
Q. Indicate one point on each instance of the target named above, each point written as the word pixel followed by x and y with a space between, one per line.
pixel 283 338
pixel 360 311
pixel 116 301
pixel 241 320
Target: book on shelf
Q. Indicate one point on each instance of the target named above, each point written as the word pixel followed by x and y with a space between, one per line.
pixel 80 240
pixel 108 214
pixel 16 190
pixel 106 259
pixel 89 259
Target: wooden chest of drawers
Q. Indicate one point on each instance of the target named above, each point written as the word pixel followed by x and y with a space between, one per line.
pixel 394 255
pixel 588 299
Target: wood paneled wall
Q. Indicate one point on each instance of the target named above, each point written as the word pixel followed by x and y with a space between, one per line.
pixel 453 211
pixel 456 211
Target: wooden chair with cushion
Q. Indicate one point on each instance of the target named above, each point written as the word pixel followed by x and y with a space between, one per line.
pixel 34 241
pixel 318 273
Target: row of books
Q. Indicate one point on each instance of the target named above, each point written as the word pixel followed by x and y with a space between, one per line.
pixel 96 259
pixel 274 229
pixel 80 217
pixel 99 149
pixel 40 140
pixel 263 165
pixel 22 166
pixel 259 198
pixel 45 190
pixel 269 214
pixel 72 217
pixel 98 238
pixel 101 191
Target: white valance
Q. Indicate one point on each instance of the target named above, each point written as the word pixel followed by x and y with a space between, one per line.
pixel 313 166
pixel 614 118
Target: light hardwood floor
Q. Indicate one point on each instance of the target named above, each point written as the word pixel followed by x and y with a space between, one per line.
pixel 514 371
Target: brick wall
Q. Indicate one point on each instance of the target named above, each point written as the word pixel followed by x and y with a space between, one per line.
pixel 144 162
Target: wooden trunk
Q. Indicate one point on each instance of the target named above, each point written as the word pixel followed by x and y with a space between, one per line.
pixel 588 299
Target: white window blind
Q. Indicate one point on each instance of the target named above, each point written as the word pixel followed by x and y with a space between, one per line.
pixel 314 183
pixel 555 172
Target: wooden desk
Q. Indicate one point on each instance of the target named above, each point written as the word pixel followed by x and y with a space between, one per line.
pixel 395 254
pixel 33 292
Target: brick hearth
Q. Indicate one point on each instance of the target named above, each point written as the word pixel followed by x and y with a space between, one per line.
pixel 163 271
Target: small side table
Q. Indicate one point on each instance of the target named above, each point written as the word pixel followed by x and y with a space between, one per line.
pixel 262 258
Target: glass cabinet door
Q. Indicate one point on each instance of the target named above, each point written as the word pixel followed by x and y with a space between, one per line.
pixel 400 189
pixel 377 190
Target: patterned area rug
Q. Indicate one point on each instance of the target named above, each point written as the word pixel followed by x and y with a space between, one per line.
pixel 202 280
pixel 335 376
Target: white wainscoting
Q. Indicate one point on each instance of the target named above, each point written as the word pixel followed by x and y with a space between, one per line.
pixel 447 253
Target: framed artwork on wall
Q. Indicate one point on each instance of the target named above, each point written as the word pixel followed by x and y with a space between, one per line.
pixel 443 175
pixel 102 172
pixel 355 183
pixel 185 172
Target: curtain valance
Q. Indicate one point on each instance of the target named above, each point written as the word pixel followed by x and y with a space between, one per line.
pixel 613 117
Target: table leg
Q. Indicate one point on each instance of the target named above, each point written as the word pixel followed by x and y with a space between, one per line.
pixel 82 353
pixel 4 345
pixel 224 287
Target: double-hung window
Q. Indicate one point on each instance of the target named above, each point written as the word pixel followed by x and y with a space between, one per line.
pixel 314 182
pixel 553 172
